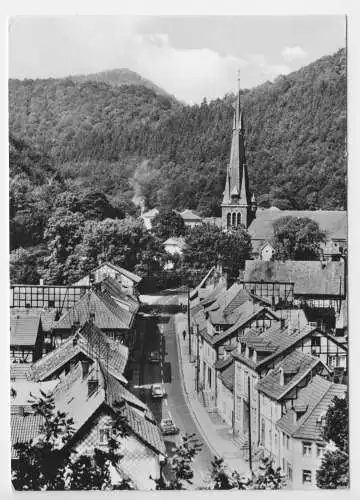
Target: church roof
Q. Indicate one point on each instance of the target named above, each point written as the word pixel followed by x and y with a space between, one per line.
pixel 334 222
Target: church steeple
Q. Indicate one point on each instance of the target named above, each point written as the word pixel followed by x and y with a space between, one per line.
pixel 236 205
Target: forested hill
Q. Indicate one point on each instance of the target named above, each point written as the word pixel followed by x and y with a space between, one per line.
pixel 129 139
pixel 119 77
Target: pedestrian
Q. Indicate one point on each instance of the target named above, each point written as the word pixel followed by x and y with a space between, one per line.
pixel 184 335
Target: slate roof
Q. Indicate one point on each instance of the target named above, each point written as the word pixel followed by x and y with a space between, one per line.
pixel 309 277
pixel 91 342
pixel 23 429
pixel 24 330
pixel 334 222
pixel 109 315
pixel 297 363
pixel 317 396
pixel 220 364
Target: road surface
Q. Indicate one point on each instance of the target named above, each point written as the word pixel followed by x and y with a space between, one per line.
pixel 160 336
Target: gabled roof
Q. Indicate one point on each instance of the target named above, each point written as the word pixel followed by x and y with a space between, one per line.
pixel 309 277
pixel 298 364
pixel 24 330
pixel 109 315
pixel 92 343
pixel 151 213
pixel 334 222
pixel 71 396
pixel 316 397
pixel 132 276
pixel 190 215
pixel 180 242
pixel 114 289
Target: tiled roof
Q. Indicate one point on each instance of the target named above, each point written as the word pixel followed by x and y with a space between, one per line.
pixel 92 342
pixel 227 377
pixel 24 429
pixel 334 222
pixel 309 277
pixel 114 288
pixel 47 315
pixel 24 330
pixel 224 309
pixel 108 313
pixel 132 276
pixel 26 391
pixel 317 396
pixel 19 371
pixel 298 363
pixel 116 392
pixel 148 432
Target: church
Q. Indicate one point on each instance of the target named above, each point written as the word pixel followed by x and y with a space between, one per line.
pixel 239 206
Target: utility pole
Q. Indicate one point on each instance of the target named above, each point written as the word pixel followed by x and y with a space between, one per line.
pixel 188 319
pixel 250 450
pixel 197 358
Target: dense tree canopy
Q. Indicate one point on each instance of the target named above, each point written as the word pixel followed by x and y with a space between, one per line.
pixel 334 470
pixel 297 238
pixel 207 245
pixel 168 223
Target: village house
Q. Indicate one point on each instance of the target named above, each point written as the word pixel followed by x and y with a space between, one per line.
pixel 278 392
pixel 114 315
pixel 174 247
pixel 148 217
pixel 86 345
pixel 26 338
pixel 257 355
pixel 301 446
pixel 191 219
pixel 58 297
pixel 221 321
pixel 129 281
pixel 93 399
pixel 318 287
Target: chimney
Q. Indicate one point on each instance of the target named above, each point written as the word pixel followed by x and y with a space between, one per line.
pixel 92 387
pixel 281 372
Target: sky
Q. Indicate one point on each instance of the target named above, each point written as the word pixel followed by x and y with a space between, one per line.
pixel 191 57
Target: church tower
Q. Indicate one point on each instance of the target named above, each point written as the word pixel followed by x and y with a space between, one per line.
pixel 238 206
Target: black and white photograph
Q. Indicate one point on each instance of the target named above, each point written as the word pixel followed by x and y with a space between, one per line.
pixel 178 252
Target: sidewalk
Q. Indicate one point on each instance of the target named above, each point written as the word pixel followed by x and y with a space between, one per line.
pixel 216 434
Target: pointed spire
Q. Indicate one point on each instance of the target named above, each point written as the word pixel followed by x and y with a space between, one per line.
pixel 238 104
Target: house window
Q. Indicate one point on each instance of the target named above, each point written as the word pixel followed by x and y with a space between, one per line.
pixel 283 439
pixel 238 219
pixel 209 376
pixel 306 476
pixel 262 431
pixel 306 449
pixel 287 442
pixel 283 465
pixel 228 220
pixel 320 449
pixel 315 341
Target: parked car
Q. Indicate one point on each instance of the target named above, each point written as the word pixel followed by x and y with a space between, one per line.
pixel 154 357
pixel 168 427
pixel 157 391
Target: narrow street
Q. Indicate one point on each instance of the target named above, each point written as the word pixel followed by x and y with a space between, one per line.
pixel 160 336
